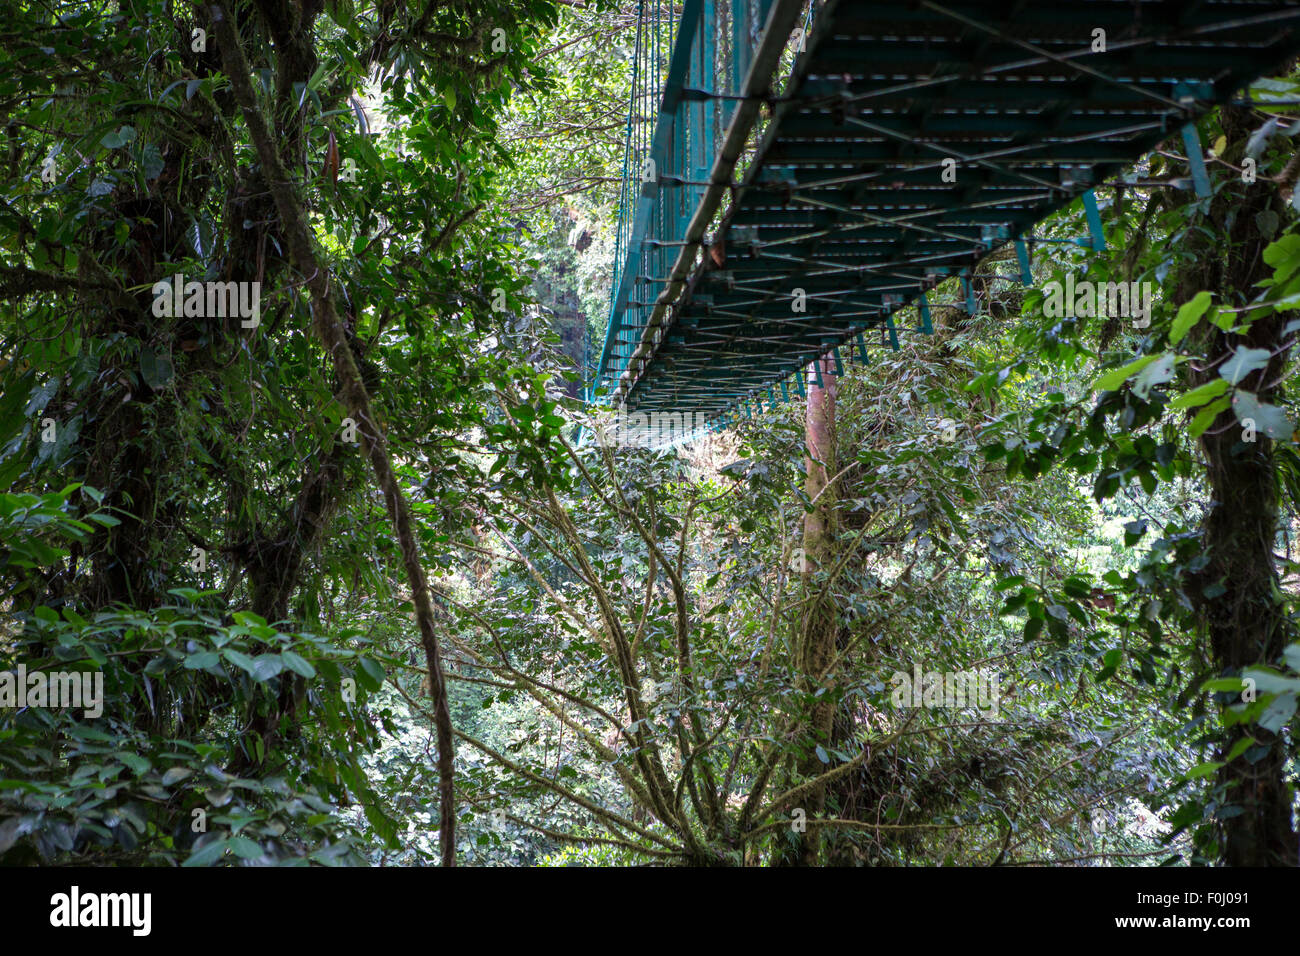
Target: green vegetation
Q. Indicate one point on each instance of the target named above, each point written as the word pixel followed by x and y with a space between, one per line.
pixel 309 549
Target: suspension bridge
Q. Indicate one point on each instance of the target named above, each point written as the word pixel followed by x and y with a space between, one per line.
pixel 796 174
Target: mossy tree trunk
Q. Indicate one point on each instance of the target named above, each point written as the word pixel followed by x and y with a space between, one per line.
pixel 815 648
pixel 1247 624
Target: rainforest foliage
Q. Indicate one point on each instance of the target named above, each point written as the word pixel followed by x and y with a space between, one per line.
pixel 364 586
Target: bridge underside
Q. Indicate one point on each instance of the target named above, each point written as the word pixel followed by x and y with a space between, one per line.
pixel 915 139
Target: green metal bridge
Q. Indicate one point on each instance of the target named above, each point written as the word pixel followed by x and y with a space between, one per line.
pixel 796 174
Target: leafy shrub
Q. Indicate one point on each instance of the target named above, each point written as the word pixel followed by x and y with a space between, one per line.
pixel 167 768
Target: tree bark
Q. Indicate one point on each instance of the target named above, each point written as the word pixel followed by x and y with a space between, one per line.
pixel 816 646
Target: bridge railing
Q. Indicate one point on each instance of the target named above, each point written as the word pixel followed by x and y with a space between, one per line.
pixel 693 62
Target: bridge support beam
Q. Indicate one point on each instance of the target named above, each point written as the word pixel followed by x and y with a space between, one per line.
pixel 781 22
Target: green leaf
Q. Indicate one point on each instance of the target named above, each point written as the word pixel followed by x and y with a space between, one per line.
pixel 1110 663
pixel 1206 416
pixel 266 666
pixel 1157 373
pixel 1243 362
pixel 119 138
pixel 1239 748
pixel 1199 396
pixel 156 370
pixel 1269 419
pixel 1269 681
pixel 384 826
pixel 1277 714
pixel 240 660
pixel 297 664
pixel 1203 769
pixel 1230 685
pixel 72 617
pixel 245 848
pixel 138 764
pixel 822 755
pixel 314 82
pixel 1188 315
pixel 374 672
pixel 176 774
pixel 209 854
pixel 1283 256
pixel 202 661
pixel 1113 379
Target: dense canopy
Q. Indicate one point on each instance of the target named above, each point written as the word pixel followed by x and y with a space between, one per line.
pixel 319 545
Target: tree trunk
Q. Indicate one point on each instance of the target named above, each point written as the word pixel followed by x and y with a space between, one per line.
pixel 1247 625
pixel 816 647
